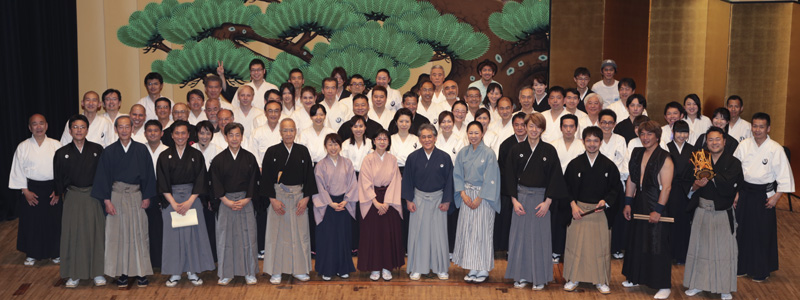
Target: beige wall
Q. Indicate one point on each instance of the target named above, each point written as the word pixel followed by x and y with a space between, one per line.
pixel 104 62
pixel 576 40
pixel 676 53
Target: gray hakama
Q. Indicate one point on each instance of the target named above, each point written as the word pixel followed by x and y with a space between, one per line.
pixel 530 246
pixel 587 255
pixel 82 235
pixel 236 239
pixel 712 257
pixel 474 248
pixel 427 235
pixel 127 243
pixel 287 246
pixel 185 249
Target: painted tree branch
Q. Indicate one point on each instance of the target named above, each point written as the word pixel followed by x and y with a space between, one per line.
pixel 244 32
pixel 157 46
pixel 240 44
pixel 439 56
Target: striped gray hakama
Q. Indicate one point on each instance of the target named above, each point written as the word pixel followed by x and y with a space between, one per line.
pixel 711 261
pixel 474 249
pixel 287 247
pixel 587 255
pixel 185 249
pixel 82 235
pixel 529 246
pixel 427 235
pixel 236 239
pixel 127 242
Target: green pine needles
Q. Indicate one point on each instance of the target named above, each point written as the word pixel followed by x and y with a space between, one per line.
pixel 194 22
pixel 196 59
pixel 518 21
pixel 290 18
pixel 142 29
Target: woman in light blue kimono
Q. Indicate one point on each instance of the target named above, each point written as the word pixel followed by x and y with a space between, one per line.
pixel 476 178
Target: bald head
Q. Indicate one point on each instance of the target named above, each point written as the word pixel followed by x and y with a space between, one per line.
pixel 450 89
pixel 36 118
pixel 180 111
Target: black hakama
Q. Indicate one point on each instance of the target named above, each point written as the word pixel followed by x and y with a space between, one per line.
pixel 39 233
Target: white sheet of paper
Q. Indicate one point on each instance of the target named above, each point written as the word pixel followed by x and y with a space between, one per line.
pixel 190 219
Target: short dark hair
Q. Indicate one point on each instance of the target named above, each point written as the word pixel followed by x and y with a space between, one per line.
pixel 639 120
pixel 332 137
pixel 331 79
pixel 410 94
pixel 388 137
pixel 111 91
pixel 574 91
pixel 257 61
pixel 151 76
pixel 735 97
pixel 607 112
pixel 78 117
pixel 627 81
pixel 273 101
pixel 195 92
pixel 488 63
pixel 204 124
pixel 153 123
pixel 296 70
pixel 715 129
pixel 557 89
pixel 475 123
pixel 380 88
pixel 356 76
pixel 675 105
pixel 572 117
pixel 518 115
pixel 231 126
pixel 639 97
pixel 180 123
pixel 360 96
pixel 164 99
pixel 762 116
pixel 696 100
pixel 592 131
pixel 581 71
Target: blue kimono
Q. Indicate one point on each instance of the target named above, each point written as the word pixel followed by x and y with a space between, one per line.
pixel 478 167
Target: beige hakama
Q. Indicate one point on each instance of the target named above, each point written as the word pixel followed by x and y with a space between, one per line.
pixel 587 254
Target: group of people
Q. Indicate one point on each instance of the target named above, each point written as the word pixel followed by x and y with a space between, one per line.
pixel 576 175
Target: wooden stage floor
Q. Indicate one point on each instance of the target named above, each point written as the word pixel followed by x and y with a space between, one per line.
pixel 42 281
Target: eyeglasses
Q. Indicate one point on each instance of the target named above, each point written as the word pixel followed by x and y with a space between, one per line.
pixel 357 84
pixel 606 122
pixel 78 127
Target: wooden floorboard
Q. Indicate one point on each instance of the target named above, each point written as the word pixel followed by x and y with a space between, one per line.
pixel 42 281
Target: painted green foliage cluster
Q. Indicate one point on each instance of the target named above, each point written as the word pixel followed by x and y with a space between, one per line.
pixel 363 36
